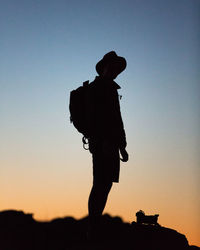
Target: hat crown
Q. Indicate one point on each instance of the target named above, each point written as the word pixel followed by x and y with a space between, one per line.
pixel 110 55
pixel 113 58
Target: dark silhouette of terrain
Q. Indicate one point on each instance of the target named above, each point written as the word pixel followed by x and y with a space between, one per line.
pixel 19 231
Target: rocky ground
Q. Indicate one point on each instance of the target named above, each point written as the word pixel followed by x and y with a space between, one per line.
pixel 19 231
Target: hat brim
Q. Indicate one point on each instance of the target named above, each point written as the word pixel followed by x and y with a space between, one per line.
pixel 118 62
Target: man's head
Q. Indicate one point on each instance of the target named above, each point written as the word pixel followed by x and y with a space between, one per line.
pixel 111 65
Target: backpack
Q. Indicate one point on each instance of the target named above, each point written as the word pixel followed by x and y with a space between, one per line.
pixel 78 107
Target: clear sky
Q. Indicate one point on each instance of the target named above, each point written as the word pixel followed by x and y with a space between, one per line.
pixel 48 48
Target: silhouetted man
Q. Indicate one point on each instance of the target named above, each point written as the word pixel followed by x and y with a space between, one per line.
pixel 107 140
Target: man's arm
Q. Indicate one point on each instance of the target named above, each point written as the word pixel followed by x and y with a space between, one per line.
pixel 124 155
pixel 122 137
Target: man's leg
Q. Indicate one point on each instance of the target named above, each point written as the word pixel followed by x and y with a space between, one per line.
pixel 97 201
pixel 98 197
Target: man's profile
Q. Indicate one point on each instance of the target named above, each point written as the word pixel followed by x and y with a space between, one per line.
pixel 107 139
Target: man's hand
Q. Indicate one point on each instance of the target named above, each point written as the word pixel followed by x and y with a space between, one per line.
pixel 124 155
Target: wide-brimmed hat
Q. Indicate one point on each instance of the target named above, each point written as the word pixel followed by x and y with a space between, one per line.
pixel 111 58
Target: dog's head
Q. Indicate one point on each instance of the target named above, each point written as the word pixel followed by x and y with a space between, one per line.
pixel 140 214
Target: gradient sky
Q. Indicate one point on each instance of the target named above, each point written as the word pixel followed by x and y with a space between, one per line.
pixel 48 48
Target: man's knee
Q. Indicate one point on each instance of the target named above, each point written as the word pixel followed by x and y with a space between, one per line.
pixel 102 186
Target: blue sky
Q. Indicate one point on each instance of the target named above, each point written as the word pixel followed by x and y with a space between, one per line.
pixel 50 47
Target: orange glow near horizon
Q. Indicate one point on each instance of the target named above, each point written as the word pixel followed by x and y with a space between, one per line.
pixel 170 219
pixel 60 196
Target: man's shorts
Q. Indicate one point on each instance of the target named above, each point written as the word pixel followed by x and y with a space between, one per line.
pixel 106 161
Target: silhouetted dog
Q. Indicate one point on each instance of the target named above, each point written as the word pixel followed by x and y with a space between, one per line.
pixel 147 219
